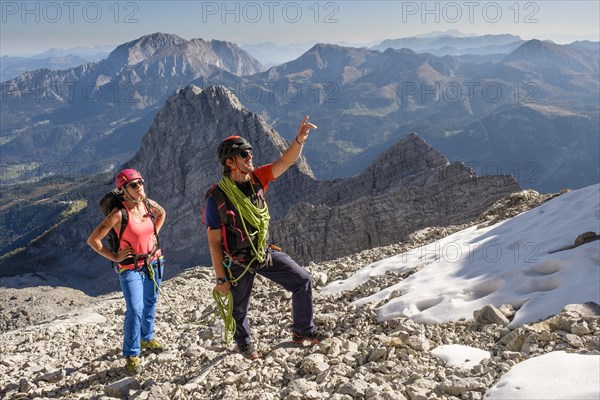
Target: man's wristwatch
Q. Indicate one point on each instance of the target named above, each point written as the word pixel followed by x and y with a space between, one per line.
pixel 221 281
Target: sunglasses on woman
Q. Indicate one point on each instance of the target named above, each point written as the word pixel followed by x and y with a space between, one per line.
pixel 135 184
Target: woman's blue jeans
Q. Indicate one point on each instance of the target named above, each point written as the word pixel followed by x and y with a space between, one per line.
pixel 141 297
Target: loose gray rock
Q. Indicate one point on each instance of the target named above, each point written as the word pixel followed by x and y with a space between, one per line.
pixel 74 354
pixel 315 364
pixel 586 237
pixel 422 389
pixel 121 388
pixel 490 315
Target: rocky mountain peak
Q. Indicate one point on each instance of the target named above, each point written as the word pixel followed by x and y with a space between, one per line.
pixel 196 120
pixel 137 50
pixel 178 160
pixel 549 55
pixel 147 70
pixel 408 187
pixel 405 158
pixel 325 60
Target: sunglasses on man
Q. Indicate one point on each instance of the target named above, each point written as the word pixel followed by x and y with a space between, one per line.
pixel 245 153
pixel 135 184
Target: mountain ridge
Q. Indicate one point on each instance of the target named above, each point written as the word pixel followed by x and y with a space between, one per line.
pixel 137 50
pixel 188 129
pixel 541 52
pixel 98 112
pixel 449 43
pixel 361 98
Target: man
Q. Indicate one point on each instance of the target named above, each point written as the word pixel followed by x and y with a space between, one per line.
pixel 237 217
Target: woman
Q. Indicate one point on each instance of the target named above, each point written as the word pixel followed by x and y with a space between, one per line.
pixel 138 258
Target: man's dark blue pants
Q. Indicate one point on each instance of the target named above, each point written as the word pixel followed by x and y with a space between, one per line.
pixel 285 272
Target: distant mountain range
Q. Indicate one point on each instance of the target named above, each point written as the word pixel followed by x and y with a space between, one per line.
pixel 362 99
pixel 451 42
pixel 452 45
pixel 98 112
pixel 13 66
pixel 270 54
pixel 365 99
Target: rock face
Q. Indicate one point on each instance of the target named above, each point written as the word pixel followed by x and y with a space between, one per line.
pixel 410 187
pixel 178 160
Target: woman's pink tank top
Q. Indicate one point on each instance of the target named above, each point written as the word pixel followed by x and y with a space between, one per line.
pixel 138 235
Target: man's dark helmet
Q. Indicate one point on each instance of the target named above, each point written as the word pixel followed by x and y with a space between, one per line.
pixel 232 146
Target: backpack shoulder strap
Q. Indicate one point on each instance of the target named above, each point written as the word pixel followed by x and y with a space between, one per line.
pixel 219 197
pixel 114 237
pixel 153 219
pixel 149 209
pixel 124 222
pixel 258 187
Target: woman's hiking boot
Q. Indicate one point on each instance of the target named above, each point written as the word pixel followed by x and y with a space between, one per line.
pixel 133 365
pixel 152 345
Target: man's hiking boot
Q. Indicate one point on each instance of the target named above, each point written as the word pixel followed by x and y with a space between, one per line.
pixel 314 338
pixel 133 365
pixel 152 345
pixel 248 351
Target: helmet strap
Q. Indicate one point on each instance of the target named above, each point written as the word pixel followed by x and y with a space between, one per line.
pixel 128 197
pixel 236 174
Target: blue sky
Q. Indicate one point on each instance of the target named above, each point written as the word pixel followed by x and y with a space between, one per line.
pixel 33 26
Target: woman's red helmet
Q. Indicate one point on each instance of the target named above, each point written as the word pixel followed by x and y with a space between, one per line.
pixel 126 176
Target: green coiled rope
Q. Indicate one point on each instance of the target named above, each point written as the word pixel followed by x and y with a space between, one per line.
pixel 225 308
pixel 152 276
pixel 258 218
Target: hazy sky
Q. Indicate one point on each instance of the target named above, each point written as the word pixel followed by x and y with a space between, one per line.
pixel 34 26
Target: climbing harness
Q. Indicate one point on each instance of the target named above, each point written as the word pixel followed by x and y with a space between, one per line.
pixel 257 217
